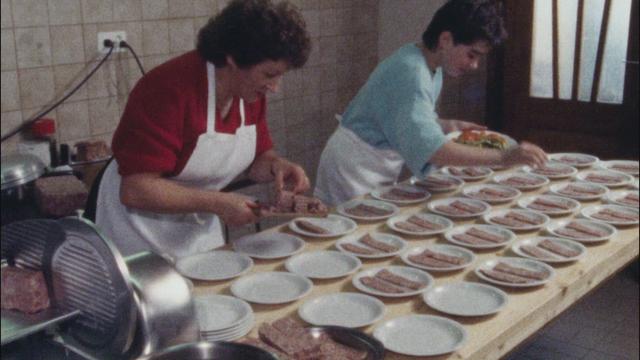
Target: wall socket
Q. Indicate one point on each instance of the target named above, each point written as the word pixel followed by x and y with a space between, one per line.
pixel 115 36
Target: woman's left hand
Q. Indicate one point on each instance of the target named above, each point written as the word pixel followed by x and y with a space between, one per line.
pixel 459 125
pixel 287 172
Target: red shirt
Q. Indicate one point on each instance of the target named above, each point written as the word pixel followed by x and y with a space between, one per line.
pixel 167 112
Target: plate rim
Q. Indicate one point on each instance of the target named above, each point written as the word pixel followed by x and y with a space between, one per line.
pixel 259 256
pixel 307 281
pixel 378 303
pixel 203 254
pixel 503 295
pixel 289 261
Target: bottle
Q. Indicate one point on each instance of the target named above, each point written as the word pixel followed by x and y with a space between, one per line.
pixel 45 129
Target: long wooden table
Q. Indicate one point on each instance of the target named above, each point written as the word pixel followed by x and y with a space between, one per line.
pixel 490 337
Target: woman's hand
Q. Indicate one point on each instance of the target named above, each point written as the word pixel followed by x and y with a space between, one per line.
pixel 287 172
pixel 459 125
pixel 235 209
pixel 525 153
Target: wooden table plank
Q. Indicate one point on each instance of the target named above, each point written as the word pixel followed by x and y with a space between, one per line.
pixel 490 337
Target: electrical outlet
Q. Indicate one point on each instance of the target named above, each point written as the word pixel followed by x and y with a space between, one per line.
pixel 115 36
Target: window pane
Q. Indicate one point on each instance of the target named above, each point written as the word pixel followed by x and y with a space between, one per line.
pixel 611 88
pixel 591 23
pixel 567 19
pixel 541 77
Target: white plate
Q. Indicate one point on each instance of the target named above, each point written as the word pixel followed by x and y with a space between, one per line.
pixel 271 287
pixel 471 192
pixel 553 258
pixel 337 226
pixel 585 159
pixel 272 245
pixel 379 194
pixel 528 264
pixel 446 223
pixel 625 179
pixel 615 196
pixel 590 210
pixel 611 164
pixel 348 309
pixel 486 172
pixel 214 265
pixel 571 203
pixel 544 219
pixel 507 234
pixel 323 264
pixel 456 180
pixel 446 201
pixel 567 170
pixel 392 209
pixel 421 335
pixel 217 313
pixel 451 250
pixel 466 299
pixel 389 239
pixel 404 271
pixel 510 141
pixel 542 180
pixel 557 188
pixel 610 230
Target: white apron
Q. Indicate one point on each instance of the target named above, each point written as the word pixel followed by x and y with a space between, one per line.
pixel 350 167
pixel 216 160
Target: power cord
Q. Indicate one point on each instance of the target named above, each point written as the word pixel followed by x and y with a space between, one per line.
pixel 124 44
pixel 107 43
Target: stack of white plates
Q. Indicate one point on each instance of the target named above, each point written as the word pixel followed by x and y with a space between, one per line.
pixel 223 318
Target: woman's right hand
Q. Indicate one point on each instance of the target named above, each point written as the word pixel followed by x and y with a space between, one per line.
pixel 524 154
pixel 235 209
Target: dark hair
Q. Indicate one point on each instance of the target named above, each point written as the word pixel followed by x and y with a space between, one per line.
pixel 252 31
pixel 468 21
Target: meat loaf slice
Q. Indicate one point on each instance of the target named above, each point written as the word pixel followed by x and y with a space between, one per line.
pixel 359 249
pixel 313 228
pixel 620 214
pixel 558 249
pixel 504 277
pixel 23 290
pixel 467 207
pixel 428 261
pixel 630 169
pixel 398 280
pixel 551 204
pixel 515 270
pixel 583 190
pixel 574 234
pixel 450 210
pixel 470 239
pixel 277 339
pixel 454 260
pixel 406 195
pixel 531 220
pixel 416 220
pixel 381 285
pixel 407 226
pixel 503 220
pixel 586 229
pixel 376 244
pixel 603 179
pixel 537 252
pixel 486 235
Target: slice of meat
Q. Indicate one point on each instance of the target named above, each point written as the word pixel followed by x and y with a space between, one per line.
pixel 486 235
pixel 521 181
pixel 377 244
pixel 441 181
pixel 523 218
pixel 416 220
pixel 496 193
pixel 620 214
pixel 312 228
pixel 428 261
pixel 475 171
pixel 465 206
pixel 358 211
pixel 603 179
pixel 558 249
pixel 450 210
pixel 631 169
pixel 375 211
pixel 578 160
pixel 519 271
pixel 586 229
pixel 287 325
pixel 543 208
pixel 407 226
pixel 583 190
pixel 551 204
pixel 455 260
pixel 406 195
pixel 23 290
pixel 359 249
pixel 574 234
pixel 398 280
pixel 510 222
pixel 504 277
pixel 381 285
pixel 470 239
pixel 608 217
pixel 628 201
pixel 272 336
pixel 537 252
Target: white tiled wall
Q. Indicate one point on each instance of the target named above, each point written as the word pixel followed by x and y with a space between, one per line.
pixel 49 45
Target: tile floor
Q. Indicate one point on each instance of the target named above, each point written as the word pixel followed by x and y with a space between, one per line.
pixel 602 326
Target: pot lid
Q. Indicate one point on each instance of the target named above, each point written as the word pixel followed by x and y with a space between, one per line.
pixel 18 169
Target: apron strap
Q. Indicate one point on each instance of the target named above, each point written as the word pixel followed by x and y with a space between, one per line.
pixel 92 199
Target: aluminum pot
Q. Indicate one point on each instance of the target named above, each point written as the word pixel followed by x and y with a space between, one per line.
pixel 211 351
pixel 166 312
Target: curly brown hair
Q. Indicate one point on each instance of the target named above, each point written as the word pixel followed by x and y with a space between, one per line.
pixel 252 31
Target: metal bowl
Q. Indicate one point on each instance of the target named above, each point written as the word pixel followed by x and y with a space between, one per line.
pixel 211 351
pixel 351 337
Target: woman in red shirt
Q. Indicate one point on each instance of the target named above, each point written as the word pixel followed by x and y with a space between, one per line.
pixel 195 123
